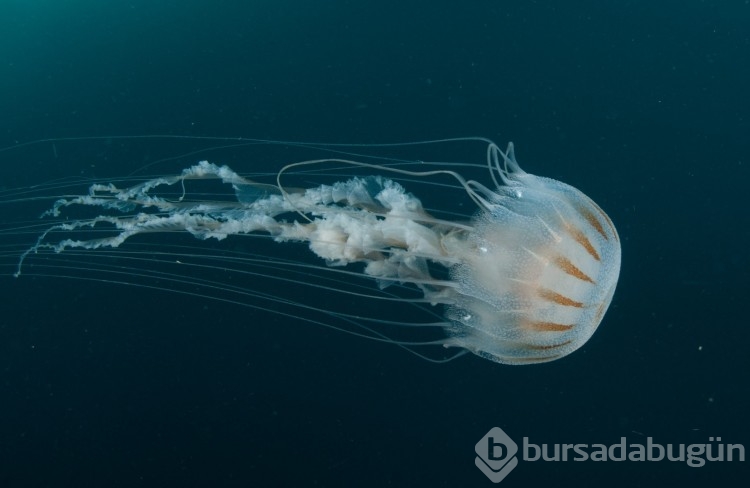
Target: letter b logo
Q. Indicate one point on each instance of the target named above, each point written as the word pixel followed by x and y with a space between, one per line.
pixel 496 454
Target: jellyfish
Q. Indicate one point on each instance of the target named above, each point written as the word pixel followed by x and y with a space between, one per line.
pixel 522 273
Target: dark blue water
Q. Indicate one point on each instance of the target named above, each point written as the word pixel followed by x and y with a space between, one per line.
pixel 642 105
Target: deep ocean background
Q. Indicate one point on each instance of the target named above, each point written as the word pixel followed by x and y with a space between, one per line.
pixel 642 105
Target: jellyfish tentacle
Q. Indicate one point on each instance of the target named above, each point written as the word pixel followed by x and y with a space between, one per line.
pixel 370 220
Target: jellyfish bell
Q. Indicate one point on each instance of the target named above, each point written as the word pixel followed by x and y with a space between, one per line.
pixel 537 273
pixel 525 277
